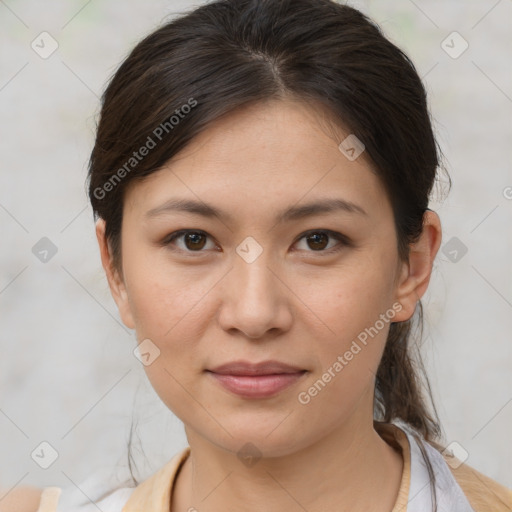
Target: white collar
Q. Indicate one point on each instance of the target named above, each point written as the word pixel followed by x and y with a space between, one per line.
pixel 450 497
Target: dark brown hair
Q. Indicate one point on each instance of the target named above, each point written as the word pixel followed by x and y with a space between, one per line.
pixel 228 54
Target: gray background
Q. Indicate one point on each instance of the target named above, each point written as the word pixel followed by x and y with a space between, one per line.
pixel 67 372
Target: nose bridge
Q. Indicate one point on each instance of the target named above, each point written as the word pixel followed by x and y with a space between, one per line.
pixel 257 282
pixel 253 302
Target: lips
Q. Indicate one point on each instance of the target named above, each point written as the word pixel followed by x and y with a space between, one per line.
pixel 248 368
pixel 256 380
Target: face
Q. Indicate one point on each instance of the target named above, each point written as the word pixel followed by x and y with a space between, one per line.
pixel 315 290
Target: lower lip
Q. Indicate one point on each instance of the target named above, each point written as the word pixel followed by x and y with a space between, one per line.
pixel 257 386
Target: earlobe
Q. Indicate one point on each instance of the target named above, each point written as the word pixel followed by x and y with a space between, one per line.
pixel 115 281
pixel 416 272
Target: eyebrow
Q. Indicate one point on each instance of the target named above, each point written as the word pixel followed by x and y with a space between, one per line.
pixel 290 214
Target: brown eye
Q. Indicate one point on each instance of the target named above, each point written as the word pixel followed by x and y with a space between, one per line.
pixel 317 241
pixel 192 241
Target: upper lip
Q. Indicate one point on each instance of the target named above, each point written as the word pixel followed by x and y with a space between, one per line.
pixel 262 368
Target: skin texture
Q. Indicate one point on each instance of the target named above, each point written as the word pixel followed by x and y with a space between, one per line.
pixel 291 304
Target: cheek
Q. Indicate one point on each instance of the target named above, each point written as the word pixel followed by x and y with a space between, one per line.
pixel 348 358
pixel 168 309
pixel 350 299
pixel 165 299
pixel 355 306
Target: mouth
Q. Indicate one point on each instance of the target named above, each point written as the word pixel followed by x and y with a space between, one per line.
pixel 256 380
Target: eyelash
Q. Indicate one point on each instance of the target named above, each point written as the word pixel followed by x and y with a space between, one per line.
pixel 345 241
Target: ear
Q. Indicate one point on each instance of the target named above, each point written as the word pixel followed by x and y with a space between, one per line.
pixel 415 273
pixel 115 280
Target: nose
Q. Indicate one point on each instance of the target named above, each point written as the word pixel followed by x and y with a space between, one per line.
pixel 254 299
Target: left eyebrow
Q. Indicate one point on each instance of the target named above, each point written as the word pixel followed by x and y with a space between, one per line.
pixel 319 207
pixel 289 214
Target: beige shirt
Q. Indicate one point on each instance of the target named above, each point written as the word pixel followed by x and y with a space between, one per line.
pixel 459 487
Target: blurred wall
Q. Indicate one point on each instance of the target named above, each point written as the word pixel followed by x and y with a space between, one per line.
pixel 68 376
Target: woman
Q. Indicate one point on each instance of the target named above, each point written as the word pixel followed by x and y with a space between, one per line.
pixel 261 179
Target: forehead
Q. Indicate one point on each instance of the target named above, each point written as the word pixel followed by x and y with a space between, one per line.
pixel 259 157
pixel 273 131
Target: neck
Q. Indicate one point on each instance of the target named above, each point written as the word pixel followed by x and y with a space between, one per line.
pixel 351 469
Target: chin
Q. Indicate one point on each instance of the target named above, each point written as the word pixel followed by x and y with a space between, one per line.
pixel 253 440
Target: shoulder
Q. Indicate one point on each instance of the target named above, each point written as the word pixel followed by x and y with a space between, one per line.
pixel 458 485
pixel 102 491
pixel 21 499
pixel 155 493
pixel 482 492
